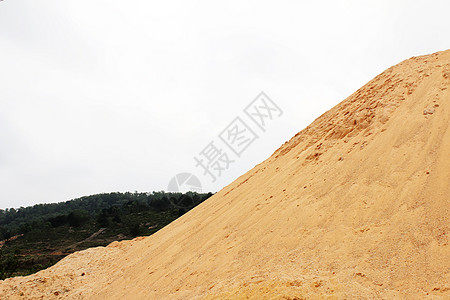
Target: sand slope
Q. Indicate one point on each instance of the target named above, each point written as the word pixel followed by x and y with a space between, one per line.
pixel 355 205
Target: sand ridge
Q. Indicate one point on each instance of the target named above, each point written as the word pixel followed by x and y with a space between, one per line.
pixel 356 205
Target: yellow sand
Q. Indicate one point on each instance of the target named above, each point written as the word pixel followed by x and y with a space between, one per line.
pixel 356 205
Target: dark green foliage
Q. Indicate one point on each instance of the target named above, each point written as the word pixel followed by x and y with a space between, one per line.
pixel 117 219
pixel 103 220
pixel 181 211
pixel 5 233
pixel 58 220
pixel 8 264
pixel 135 230
pixel 186 200
pixel 45 233
pixel 77 217
pixel 160 204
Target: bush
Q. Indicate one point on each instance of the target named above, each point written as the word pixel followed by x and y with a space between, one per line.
pixel 77 218
pixel 135 230
pixel 8 265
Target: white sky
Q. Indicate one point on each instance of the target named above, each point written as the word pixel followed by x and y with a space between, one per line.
pixel 102 96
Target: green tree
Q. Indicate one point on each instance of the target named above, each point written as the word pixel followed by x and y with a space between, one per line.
pixel 135 230
pixel 8 265
pixel 77 218
pixel 117 219
pixel 103 220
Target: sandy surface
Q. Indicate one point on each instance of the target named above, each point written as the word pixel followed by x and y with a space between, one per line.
pixel 356 205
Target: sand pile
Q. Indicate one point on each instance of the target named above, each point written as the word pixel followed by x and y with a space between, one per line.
pixel 355 205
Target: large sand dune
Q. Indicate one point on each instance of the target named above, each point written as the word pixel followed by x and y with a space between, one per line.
pixel 356 205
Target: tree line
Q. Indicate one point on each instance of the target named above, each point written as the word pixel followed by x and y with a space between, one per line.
pixel 103 208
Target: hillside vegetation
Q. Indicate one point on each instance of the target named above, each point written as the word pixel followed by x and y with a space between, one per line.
pixel 36 237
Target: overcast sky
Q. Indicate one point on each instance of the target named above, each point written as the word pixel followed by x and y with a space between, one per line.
pixel 102 96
